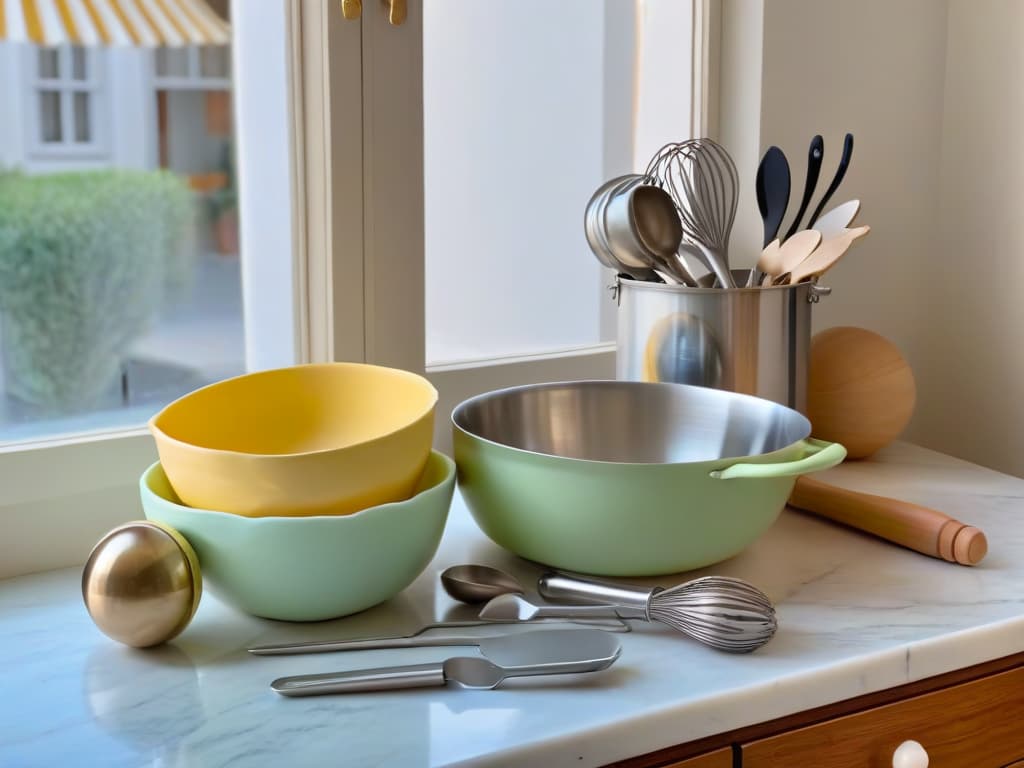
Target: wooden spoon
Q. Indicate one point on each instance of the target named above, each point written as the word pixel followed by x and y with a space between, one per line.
pixel 776 260
pixel 826 255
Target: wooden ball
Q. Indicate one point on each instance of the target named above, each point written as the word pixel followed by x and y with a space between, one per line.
pixel 860 390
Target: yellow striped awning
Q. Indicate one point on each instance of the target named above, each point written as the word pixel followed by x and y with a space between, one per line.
pixel 144 23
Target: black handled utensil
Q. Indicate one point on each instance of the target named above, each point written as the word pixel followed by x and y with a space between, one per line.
pixel 814 157
pixel 844 163
pixel 772 188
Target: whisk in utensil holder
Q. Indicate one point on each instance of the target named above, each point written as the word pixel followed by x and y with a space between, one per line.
pixel 755 341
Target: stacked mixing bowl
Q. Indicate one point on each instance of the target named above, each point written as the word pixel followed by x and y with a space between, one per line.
pixel 307 492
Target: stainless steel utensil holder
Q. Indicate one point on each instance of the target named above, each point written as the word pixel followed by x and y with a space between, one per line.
pixel 754 341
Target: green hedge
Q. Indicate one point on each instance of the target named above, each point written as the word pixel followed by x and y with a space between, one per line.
pixel 86 261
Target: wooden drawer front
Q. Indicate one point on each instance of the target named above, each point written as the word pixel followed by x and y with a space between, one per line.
pixel 720 758
pixel 973 725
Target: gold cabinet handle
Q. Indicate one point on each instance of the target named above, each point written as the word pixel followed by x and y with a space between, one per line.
pixel 351 9
pixel 397 12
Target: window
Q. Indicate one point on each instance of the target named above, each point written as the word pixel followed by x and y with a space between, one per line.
pixel 194 67
pixel 330 146
pixel 516 138
pixel 120 269
pixel 66 92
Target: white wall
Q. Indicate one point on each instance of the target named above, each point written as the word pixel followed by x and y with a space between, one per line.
pixel 11 126
pixel 131 108
pixel 875 68
pixel 932 91
pixel 971 370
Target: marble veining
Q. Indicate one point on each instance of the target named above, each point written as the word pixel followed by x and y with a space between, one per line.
pixel 856 615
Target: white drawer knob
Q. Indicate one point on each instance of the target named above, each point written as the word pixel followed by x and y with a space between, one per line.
pixel 910 754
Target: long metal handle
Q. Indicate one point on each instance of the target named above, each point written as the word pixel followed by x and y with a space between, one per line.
pixel 559 586
pixel 415 640
pixel 365 644
pixel 378 679
pixel 589 611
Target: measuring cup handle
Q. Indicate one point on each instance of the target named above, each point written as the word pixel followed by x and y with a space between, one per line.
pixel 818 455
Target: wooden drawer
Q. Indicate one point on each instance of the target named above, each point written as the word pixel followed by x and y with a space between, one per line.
pixel 721 758
pixel 979 724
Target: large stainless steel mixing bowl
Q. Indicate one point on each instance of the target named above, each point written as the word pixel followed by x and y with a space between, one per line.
pixel 626 478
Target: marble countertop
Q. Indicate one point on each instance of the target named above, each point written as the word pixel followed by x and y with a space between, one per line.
pixel 855 615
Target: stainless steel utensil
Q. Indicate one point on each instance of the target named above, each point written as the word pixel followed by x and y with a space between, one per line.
pixel 593 227
pixel 641 228
pixel 714 348
pixel 844 164
pixel 590 224
pixel 420 638
pixel 682 349
pixel 412 640
pixel 553 652
pixel 702 180
pixel 722 612
pixel 478 583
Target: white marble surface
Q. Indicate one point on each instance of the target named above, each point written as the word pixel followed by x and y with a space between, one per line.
pixel 856 615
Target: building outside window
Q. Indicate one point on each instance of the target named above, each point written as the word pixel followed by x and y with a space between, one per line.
pixel 115 105
pixel 67 94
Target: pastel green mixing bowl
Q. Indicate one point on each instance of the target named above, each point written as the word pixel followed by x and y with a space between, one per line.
pixel 626 478
pixel 313 567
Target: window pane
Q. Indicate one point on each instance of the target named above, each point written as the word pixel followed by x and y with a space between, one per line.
pixel 120 287
pixel 507 190
pixel 49 63
pixel 171 62
pixel 79 63
pixel 83 134
pixel 49 117
pixel 215 61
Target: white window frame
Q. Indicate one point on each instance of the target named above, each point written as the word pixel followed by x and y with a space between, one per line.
pixel 193 79
pixel 352 198
pixel 80 486
pixel 66 86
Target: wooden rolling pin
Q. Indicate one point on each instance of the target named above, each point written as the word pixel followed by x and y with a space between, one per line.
pixel 919 528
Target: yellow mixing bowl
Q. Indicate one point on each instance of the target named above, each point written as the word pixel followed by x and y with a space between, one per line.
pixel 319 439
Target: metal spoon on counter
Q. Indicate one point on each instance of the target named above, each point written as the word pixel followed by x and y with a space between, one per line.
pixel 466 583
pixel 478 583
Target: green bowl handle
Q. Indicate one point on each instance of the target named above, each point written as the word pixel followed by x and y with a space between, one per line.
pixel 818 455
